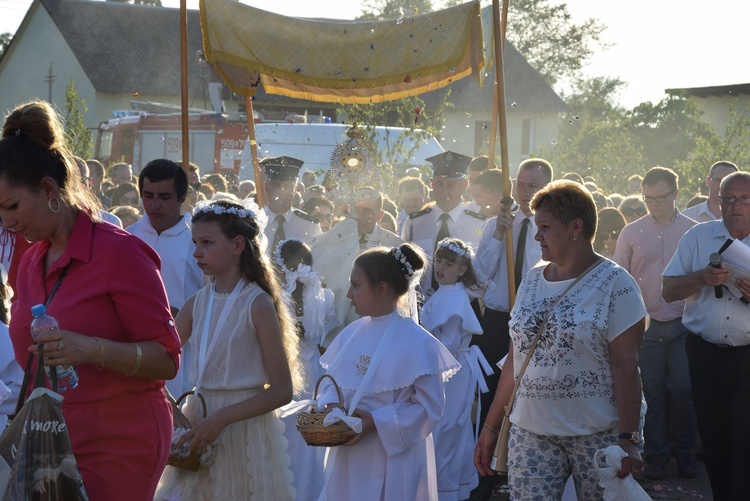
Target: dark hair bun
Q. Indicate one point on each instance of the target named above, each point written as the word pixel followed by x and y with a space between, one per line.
pixel 414 255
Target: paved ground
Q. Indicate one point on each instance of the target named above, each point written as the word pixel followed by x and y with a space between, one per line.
pixel 676 487
pixel 673 487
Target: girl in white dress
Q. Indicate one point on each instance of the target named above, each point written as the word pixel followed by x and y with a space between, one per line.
pixel 316 316
pixel 392 374
pixel 244 365
pixel 449 317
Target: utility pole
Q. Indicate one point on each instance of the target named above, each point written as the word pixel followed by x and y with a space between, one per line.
pixel 50 78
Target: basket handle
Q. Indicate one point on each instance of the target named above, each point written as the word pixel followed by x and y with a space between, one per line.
pixel 200 397
pixel 335 385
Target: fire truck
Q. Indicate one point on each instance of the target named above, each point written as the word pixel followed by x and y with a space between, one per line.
pixel 137 137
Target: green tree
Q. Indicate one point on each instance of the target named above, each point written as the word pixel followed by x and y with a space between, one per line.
pixel 668 132
pixel 543 31
pixel 79 136
pixel 594 139
pixel 733 145
pixel 5 39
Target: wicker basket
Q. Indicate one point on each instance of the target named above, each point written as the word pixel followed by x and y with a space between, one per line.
pixel 310 424
pixel 192 461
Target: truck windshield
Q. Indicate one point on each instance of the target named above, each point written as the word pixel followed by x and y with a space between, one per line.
pixel 104 146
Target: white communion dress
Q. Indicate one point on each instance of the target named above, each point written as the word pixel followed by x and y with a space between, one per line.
pixel 250 459
pixel 406 397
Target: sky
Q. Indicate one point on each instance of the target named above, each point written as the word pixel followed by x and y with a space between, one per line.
pixel 656 44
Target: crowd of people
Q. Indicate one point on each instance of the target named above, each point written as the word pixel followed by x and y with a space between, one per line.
pixel 184 305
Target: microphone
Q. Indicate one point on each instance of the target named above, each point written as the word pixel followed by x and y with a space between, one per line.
pixel 715 262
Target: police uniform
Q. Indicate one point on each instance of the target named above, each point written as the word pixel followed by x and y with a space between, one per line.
pixel 423 227
pixel 295 223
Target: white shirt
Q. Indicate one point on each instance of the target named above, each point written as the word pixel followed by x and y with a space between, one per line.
pixel 568 389
pixel 723 321
pixel 700 213
pixel 179 270
pixel 423 231
pixel 381 237
pixel 297 224
pixel 181 275
pixel 490 262
pixel 110 218
pixel 11 374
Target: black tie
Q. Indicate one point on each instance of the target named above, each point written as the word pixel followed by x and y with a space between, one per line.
pixel 442 233
pixel 280 234
pixel 520 250
pixel 363 240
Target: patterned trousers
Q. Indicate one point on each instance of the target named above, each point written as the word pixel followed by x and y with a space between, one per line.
pixel 539 465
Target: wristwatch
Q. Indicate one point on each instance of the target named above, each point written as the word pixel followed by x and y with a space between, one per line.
pixel 633 436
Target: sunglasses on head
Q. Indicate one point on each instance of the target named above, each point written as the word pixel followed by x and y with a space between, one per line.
pixel 635 211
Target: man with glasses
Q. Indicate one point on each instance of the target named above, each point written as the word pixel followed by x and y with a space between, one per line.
pixel 718 348
pixel 710 210
pixel 644 249
pixel 321 209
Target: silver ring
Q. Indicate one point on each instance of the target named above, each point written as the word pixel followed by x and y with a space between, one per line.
pixel 60 345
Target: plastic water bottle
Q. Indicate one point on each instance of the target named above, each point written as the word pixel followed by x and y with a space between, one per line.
pixel 67 376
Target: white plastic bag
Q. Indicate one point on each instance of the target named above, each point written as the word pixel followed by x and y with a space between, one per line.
pixel 617 489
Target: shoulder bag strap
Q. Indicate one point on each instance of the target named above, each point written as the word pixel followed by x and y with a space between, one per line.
pixel 509 406
pixel 30 360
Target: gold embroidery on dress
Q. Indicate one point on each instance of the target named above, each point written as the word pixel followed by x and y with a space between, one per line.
pixel 364 362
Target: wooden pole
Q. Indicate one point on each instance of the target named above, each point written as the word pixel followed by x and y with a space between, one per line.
pixel 184 88
pixel 260 193
pixel 500 96
pixel 495 111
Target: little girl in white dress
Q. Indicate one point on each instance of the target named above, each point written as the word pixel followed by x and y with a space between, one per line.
pixel 392 375
pixel 449 317
pixel 244 365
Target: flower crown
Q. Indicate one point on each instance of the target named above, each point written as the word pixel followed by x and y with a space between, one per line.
pixel 453 246
pixel 277 255
pixel 218 209
pixel 405 264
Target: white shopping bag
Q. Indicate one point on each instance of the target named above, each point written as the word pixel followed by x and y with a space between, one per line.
pixel 617 489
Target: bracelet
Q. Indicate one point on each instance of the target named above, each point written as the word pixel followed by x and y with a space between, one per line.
pixel 100 365
pixel 491 428
pixel 138 356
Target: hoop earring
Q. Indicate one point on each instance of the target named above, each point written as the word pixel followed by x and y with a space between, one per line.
pixel 49 204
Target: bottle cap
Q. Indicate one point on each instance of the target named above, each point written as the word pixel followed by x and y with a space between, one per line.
pixel 38 310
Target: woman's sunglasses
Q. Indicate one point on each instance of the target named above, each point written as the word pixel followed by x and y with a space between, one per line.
pixel 635 211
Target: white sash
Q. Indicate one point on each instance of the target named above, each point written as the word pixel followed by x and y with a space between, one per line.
pixel 206 349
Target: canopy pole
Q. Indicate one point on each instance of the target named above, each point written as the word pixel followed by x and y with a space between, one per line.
pixel 260 194
pixel 495 112
pixel 184 88
pixel 500 96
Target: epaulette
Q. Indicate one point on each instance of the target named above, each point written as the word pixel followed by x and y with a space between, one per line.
pixel 304 215
pixel 475 215
pixel 419 213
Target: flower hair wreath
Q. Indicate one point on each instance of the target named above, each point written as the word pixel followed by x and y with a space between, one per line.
pixel 452 246
pixel 405 264
pixel 277 255
pixel 218 209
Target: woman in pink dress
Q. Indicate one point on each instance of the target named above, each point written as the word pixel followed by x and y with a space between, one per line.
pixel 115 324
